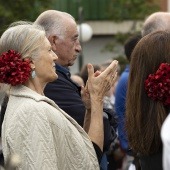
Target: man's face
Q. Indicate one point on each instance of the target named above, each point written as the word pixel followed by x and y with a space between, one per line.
pixel 68 47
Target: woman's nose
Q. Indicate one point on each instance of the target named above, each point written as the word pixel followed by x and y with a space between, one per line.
pixel 55 57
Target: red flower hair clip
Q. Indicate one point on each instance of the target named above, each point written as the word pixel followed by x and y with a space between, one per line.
pixel 13 69
pixel 157 85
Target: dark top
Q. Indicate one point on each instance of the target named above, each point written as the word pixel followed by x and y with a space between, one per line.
pixel 153 162
pixel 98 152
pixel 66 94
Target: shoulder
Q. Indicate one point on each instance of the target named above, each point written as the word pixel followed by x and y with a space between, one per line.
pixel 30 116
pixel 29 107
pixel 123 81
pixel 124 76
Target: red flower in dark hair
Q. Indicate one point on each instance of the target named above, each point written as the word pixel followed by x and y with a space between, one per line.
pixel 13 69
pixel 157 85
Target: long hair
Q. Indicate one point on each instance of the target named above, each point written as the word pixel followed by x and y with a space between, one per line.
pixel 144 116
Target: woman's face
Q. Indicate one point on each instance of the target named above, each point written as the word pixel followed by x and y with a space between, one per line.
pixel 45 64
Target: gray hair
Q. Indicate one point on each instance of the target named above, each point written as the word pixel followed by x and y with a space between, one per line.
pixel 25 39
pixel 53 22
pixel 156 21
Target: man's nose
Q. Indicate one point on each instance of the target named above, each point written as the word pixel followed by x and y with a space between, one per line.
pixel 78 46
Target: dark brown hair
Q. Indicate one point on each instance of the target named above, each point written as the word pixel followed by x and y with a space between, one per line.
pixel 144 116
pixel 84 72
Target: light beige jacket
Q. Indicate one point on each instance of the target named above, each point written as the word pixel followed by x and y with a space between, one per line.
pixel 43 135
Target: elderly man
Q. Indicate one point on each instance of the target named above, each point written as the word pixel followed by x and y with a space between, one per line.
pixel 61 31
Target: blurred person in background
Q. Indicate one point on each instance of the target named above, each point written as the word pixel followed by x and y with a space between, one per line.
pixel 83 73
pixel 156 21
pixel 77 79
pixel 120 99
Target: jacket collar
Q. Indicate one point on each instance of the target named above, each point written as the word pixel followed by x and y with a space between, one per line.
pixel 62 69
pixel 23 91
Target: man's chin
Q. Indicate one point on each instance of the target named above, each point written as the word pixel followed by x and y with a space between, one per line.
pixel 71 64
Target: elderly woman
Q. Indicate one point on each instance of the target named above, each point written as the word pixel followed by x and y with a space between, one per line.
pixel 34 127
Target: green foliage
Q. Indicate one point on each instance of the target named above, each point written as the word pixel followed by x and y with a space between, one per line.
pixel 131 9
pixel 120 10
pixel 28 10
pixel 121 38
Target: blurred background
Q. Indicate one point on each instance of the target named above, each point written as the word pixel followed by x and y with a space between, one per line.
pixel 107 23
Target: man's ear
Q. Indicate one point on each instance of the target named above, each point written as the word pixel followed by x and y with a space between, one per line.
pixel 53 41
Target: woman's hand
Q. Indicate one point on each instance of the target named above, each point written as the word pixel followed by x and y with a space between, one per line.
pixel 85 95
pixel 96 88
pixel 98 85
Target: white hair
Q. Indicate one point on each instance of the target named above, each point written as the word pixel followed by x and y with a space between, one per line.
pixel 156 21
pixel 25 39
pixel 53 22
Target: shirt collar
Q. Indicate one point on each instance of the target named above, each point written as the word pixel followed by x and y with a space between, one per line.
pixel 62 69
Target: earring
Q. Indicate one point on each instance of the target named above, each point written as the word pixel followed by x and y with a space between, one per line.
pixel 33 74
